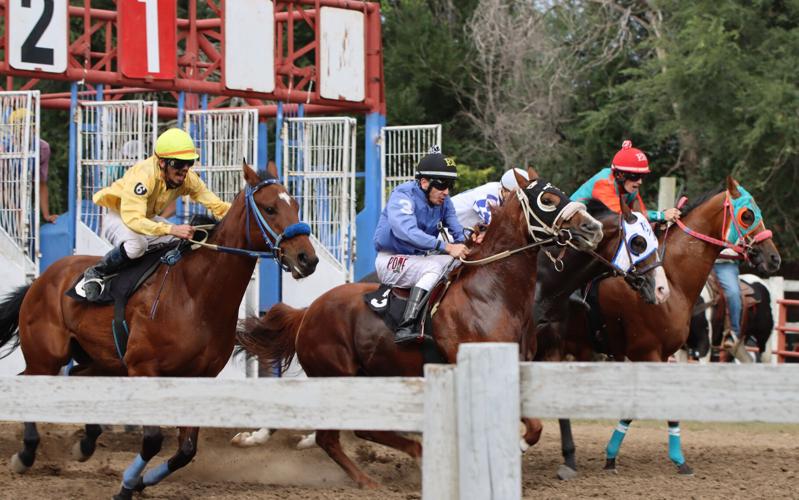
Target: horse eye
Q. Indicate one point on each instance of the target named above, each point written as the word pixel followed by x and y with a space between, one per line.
pixel 638 245
pixel 270 210
pixel 548 201
pixel 747 217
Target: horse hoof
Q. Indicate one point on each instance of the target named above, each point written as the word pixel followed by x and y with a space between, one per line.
pixel 523 445
pixel 610 466
pixel 565 472
pixel 124 494
pixel 250 439
pixel 17 465
pixel 685 470
pixel 368 484
pixel 77 453
pixel 308 441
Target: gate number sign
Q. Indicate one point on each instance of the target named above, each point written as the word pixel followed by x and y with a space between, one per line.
pixel 147 38
pixel 37 35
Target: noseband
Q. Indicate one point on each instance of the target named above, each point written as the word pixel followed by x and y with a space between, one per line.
pixel 298 229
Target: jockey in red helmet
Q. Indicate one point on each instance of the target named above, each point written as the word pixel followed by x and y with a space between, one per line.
pixel 625 175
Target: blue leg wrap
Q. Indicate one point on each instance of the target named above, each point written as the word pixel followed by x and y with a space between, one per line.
pixel 156 474
pixel 675 451
pixel 614 444
pixel 132 473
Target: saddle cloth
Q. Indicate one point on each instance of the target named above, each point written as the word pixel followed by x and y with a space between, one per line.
pixel 389 304
pixel 118 288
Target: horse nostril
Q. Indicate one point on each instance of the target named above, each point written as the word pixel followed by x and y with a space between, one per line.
pixel 303 258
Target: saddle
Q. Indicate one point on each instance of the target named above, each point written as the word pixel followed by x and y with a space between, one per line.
pixel 749 299
pixel 118 288
pixel 389 304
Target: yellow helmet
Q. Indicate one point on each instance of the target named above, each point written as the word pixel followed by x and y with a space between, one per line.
pixel 175 143
pixel 18 115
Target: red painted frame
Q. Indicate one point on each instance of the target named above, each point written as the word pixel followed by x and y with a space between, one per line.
pixel 201 64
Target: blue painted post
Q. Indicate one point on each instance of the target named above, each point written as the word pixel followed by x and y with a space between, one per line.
pixel 72 195
pixel 279 138
pixel 366 221
pixel 270 272
pixel 181 118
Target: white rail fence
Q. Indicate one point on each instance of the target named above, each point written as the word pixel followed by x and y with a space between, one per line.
pixel 468 413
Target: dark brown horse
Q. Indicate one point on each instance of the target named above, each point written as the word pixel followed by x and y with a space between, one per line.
pixel 191 334
pixel 338 335
pixel 643 332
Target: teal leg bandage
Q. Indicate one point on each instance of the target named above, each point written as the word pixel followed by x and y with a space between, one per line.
pixel 614 444
pixel 675 450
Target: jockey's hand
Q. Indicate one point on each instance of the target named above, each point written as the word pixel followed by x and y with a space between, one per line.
pixel 183 231
pixel 457 250
pixel 672 214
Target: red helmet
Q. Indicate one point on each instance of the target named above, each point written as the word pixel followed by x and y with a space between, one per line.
pixel 630 159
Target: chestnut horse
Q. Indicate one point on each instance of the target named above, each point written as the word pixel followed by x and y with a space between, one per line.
pixel 190 334
pixel 728 218
pixel 338 335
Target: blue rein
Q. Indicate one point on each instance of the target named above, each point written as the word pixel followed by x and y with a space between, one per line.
pixel 298 229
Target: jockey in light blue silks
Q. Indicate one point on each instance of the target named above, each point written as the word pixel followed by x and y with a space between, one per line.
pixel 409 253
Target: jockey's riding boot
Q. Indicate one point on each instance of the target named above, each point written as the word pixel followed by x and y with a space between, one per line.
pixel 408 330
pixel 111 262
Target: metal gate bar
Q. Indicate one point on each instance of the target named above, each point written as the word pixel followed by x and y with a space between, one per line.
pixel 401 148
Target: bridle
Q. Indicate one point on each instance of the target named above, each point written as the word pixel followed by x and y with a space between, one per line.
pixel 270 236
pixel 747 238
pixel 544 232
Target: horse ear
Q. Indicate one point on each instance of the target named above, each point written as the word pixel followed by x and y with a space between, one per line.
pixel 521 181
pixel 271 169
pixel 626 211
pixel 732 187
pixel 249 174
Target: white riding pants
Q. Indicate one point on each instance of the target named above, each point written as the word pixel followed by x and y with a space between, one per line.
pixel 407 271
pixel 115 231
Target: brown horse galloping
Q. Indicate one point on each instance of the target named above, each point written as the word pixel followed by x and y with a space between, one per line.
pixel 190 334
pixel 338 335
pixel 642 332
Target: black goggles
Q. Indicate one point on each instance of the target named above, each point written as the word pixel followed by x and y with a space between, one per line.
pixel 179 164
pixel 633 177
pixel 442 184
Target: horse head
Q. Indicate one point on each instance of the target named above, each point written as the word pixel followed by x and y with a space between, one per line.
pixel 744 226
pixel 549 212
pixel 637 257
pixel 273 217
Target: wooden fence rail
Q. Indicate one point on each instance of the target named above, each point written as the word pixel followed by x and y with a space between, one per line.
pixel 468 413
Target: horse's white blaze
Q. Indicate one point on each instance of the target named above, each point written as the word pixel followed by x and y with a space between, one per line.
pixel 662 290
pixel 285 197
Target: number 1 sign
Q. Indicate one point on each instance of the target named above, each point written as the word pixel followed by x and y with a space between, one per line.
pixel 37 35
pixel 147 38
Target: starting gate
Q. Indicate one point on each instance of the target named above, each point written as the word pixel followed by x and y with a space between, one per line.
pixel 19 187
pixel 401 148
pixel 224 139
pixel 112 136
pixel 319 171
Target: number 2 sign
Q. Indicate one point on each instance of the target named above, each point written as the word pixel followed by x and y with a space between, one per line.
pixel 37 35
pixel 147 38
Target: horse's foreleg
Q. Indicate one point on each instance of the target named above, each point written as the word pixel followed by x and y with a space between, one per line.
pixel 568 470
pixel 675 450
pixel 84 449
pixel 329 441
pixel 22 461
pixel 132 479
pixel 393 440
pixel 612 450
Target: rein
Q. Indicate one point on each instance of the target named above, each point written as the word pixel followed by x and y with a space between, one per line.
pixel 274 252
pixel 741 250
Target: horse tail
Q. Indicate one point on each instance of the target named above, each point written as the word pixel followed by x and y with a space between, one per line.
pixel 272 336
pixel 9 319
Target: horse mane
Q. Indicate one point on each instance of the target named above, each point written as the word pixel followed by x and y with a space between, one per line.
pixel 597 209
pixel 495 236
pixel 701 199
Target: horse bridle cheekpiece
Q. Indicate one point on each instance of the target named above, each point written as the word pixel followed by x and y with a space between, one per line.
pixel 298 229
pixel 548 217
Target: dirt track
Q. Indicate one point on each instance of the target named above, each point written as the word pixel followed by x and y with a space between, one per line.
pixel 753 461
